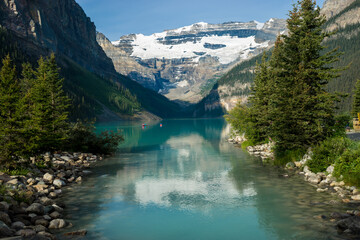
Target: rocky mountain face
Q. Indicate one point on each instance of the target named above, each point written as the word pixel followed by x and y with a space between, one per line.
pixel 60 26
pixel 179 63
pixel 341 13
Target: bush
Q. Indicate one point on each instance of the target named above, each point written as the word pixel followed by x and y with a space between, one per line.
pixel 327 152
pixel 82 138
pixel 348 166
pixel 283 157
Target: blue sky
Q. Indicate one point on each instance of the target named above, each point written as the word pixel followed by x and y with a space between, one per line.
pixel 115 18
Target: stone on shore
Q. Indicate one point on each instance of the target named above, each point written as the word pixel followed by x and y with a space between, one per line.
pixel 356 197
pixel 48 177
pixel 36 208
pixel 5 231
pixel 17 225
pixel 59 183
pixel 26 233
pixel 351 223
pixel 57 224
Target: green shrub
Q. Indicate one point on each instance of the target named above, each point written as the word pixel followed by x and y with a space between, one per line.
pixel 282 158
pixel 327 152
pixel 348 166
pixel 16 171
pixel 82 138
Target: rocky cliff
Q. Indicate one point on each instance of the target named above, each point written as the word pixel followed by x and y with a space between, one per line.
pixel 179 63
pixel 60 26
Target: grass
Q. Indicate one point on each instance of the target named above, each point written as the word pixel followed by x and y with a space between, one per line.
pixel 16 172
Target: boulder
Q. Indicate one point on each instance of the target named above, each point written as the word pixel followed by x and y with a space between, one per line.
pixel 5 231
pixel 330 169
pixel 290 165
pixel 4 217
pixel 59 183
pixel 46 201
pixel 55 215
pixel 57 224
pixel 79 179
pixel 337 215
pixel 66 158
pixel 82 232
pixel 356 197
pixel 48 177
pixel 36 208
pixel 17 225
pixel 42 222
pixel 4 206
pixel 26 233
pixel 351 223
pixel 39 228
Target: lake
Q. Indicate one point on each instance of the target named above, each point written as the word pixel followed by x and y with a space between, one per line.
pixel 183 180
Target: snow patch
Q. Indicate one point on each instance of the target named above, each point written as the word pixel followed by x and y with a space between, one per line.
pixel 259 25
pixel 183 83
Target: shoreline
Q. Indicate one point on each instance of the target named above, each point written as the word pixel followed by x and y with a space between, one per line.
pixel 29 205
pixel 347 224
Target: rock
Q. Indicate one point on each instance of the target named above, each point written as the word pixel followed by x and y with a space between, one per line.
pixel 4 206
pixel 351 223
pixel 46 201
pixel 13 182
pixel 39 228
pixel 57 208
pixel 306 169
pixel 46 234
pixel 322 189
pixel 313 178
pixel 17 225
pixel 298 164
pixel 42 222
pixel 52 195
pixel 330 169
pixel 337 215
pixel 40 187
pixel 47 217
pixel 59 183
pixel 48 177
pixel 36 208
pixel 66 158
pixel 355 191
pixel 356 197
pixel 342 183
pixel 71 179
pixel 26 233
pixel 31 181
pixel 4 217
pixel 55 215
pixel 57 224
pixel 290 165
pixel 82 232
pixel 5 231
pixel 79 179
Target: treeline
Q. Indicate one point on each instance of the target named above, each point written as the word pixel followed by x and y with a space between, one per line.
pixel 34 115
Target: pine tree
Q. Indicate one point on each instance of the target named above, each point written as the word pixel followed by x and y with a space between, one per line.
pixel 49 110
pixel 11 119
pixel 356 102
pixel 259 102
pixel 303 110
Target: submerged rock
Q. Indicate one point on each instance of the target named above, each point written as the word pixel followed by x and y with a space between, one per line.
pixel 36 208
pixel 351 223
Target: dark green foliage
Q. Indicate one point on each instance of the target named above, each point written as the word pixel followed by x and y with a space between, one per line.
pixel 283 157
pixel 11 114
pixel 348 166
pixel 48 106
pixel 340 123
pixel 327 152
pixel 356 103
pixel 82 137
pixel 88 101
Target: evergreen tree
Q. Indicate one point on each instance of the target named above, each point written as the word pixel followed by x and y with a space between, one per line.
pixel 11 119
pixel 259 101
pixel 356 103
pixel 49 105
pixel 303 110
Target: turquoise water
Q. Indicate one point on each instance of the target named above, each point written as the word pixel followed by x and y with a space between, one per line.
pixel 184 181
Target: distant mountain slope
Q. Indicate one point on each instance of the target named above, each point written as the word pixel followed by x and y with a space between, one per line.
pixel 180 63
pixel 61 26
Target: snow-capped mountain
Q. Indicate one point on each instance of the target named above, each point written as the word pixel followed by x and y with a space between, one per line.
pixel 179 63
